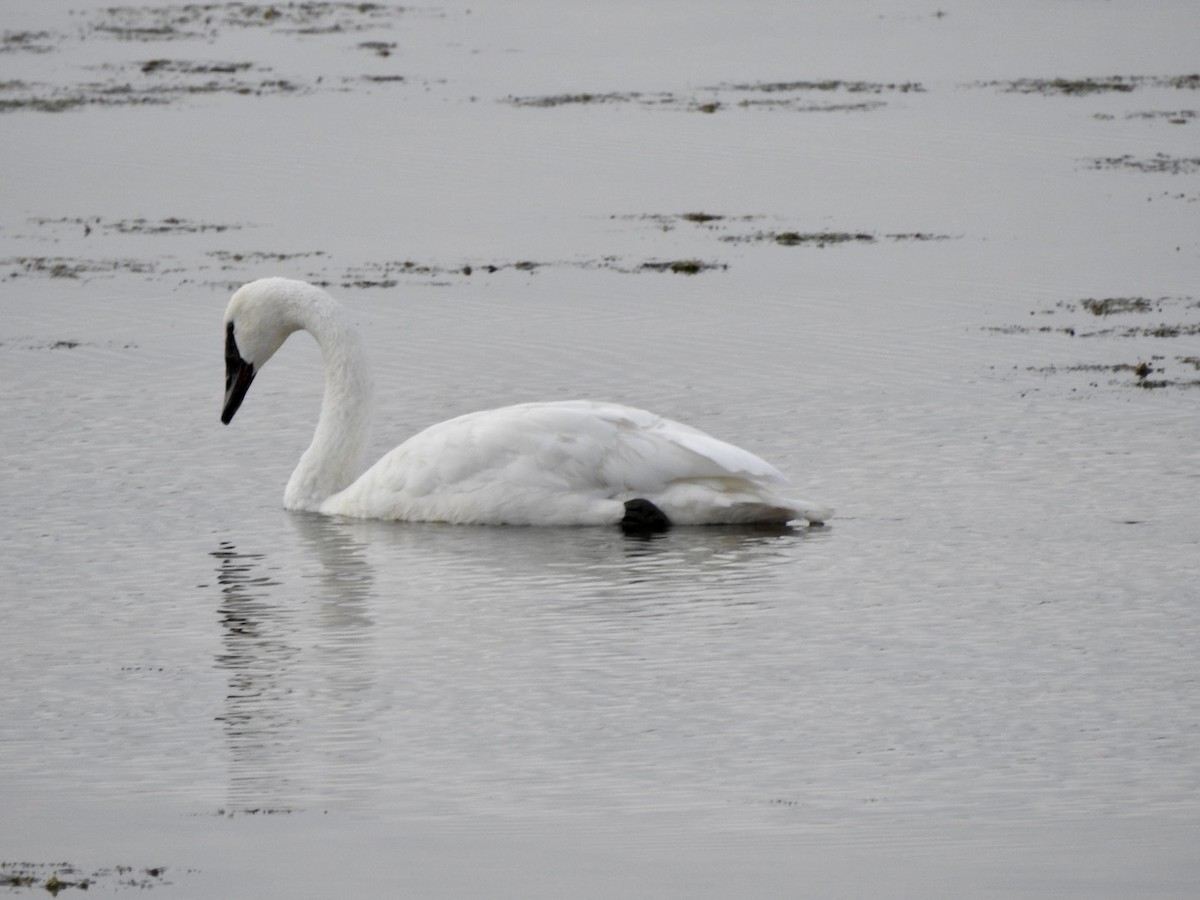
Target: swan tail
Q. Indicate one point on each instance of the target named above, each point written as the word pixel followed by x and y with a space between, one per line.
pixel 734 501
pixel 813 513
pixel 791 511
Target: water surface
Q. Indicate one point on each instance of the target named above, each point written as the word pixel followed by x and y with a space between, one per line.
pixel 980 680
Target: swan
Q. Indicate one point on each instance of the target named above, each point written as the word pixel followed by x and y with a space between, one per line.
pixel 575 462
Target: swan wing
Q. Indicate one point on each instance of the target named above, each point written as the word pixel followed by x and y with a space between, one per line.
pixel 646 452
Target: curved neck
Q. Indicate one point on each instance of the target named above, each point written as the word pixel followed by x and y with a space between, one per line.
pixel 334 458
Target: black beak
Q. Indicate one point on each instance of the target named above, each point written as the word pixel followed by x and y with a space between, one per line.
pixel 238 376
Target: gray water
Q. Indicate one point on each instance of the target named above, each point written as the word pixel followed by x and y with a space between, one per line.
pixel 932 277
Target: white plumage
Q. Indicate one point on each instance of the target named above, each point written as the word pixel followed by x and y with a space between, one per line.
pixel 572 462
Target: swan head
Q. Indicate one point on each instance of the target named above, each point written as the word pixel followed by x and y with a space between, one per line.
pixel 259 318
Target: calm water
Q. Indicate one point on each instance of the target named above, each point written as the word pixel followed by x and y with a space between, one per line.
pixel 981 680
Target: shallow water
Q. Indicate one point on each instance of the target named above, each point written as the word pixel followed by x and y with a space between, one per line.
pixel 980 680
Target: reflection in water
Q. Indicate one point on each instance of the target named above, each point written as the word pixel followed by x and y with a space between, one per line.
pixel 259 718
pixel 296 682
pixel 447 671
pixel 571 567
pixel 433 668
pixel 573 669
pixel 342 672
pixel 343 579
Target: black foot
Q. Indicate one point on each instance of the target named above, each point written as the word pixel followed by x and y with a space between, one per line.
pixel 643 517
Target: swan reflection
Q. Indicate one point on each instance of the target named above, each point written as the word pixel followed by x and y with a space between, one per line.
pixel 435 668
pixel 555 568
pixel 260 655
pixel 293 675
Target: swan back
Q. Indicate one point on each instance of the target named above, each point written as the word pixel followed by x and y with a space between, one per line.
pixel 572 462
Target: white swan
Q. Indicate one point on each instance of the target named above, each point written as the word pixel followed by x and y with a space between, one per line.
pixel 561 463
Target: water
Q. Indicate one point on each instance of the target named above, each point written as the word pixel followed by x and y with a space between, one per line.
pixel 980 680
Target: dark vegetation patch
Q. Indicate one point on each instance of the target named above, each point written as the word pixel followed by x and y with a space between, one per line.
pixel 143 88
pixel 682 266
pixel 794 104
pixel 1177 318
pixel 1103 307
pixel 379 48
pixel 314 265
pixel 389 274
pixel 588 98
pixel 189 67
pixel 61 876
pixel 796 96
pixel 27 42
pixel 157 80
pixel 1079 87
pixel 822 239
pixel 65 344
pixel 1142 372
pixel 262 255
pixel 1160 163
pixel 814 238
pixel 1174 117
pixel 671 221
pixel 205 21
pixel 827 85
pixel 551 100
pixel 1107 306
pixel 68 267
pixel 727 225
pixel 46 99
pixel 170 225
pixel 166 226
pixel 194 81
pixel 230 258
pixel 919 236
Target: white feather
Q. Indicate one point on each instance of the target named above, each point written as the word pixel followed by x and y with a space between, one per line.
pixel 572 462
